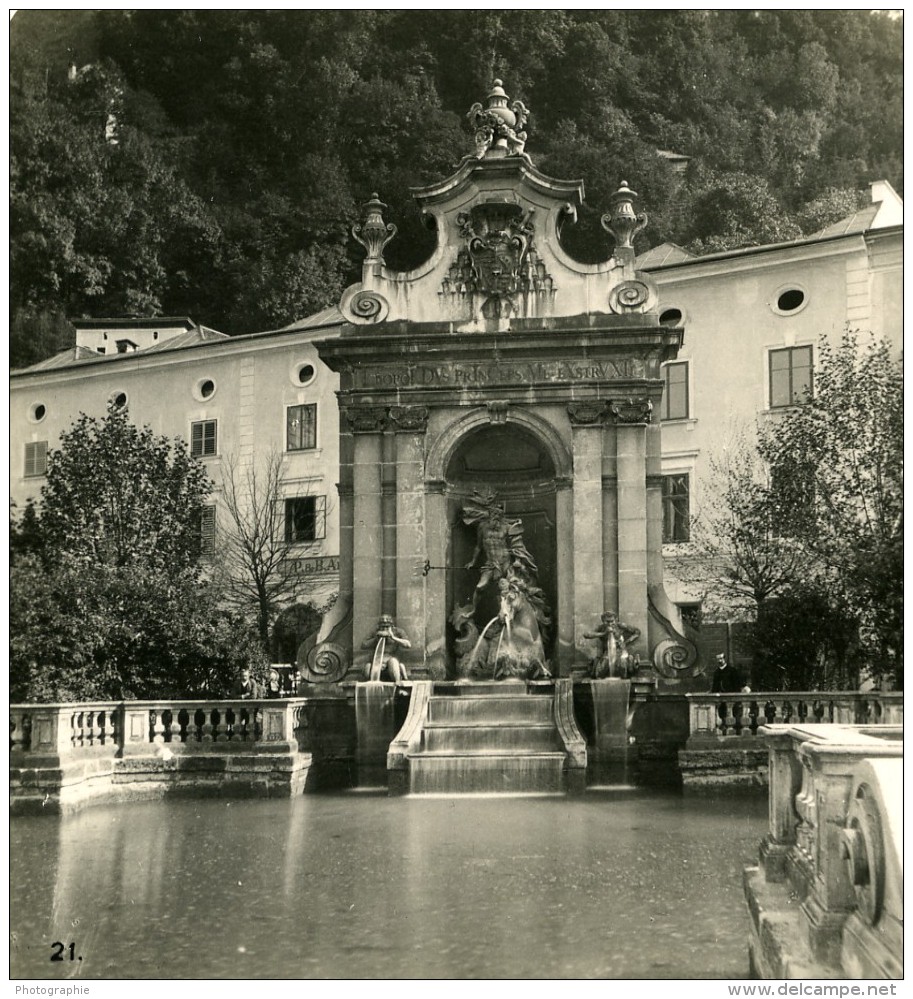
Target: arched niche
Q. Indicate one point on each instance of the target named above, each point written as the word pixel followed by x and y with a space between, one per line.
pixel 513 461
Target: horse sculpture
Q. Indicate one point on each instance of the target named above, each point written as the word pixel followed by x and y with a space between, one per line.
pixel 518 651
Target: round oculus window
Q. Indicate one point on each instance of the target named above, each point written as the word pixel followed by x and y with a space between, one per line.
pixel 306 374
pixel 118 400
pixel 670 317
pixel 38 412
pixel 790 300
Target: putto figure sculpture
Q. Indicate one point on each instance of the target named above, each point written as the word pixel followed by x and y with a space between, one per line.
pixel 614 658
pixel 384 662
pixel 498 128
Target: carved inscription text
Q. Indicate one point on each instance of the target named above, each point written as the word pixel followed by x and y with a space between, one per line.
pixel 482 374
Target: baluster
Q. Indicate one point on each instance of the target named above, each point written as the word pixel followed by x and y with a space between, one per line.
pixel 199 721
pixel 17 731
pixel 175 734
pixel 722 712
pixel 754 712
pixel 770 713
pixel 801 711
pixel 157 717
pixel 257 723
pixel 221 728
pixel 209 725
pixel 737 717
pixel 817 712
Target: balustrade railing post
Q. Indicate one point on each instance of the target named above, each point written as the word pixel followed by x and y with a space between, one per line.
pixel 135 727
pixel 831 897
pixel 785 777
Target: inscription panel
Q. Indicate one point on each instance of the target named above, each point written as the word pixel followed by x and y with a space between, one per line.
pixel 470 374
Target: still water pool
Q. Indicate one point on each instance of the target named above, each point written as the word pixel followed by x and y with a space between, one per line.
pixel 616 884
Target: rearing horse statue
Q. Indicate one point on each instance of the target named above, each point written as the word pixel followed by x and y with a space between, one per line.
pixel 518 651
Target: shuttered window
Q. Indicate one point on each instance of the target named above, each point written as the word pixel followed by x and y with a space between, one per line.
pixel 36 458
pixel 207 532
pixel 203 438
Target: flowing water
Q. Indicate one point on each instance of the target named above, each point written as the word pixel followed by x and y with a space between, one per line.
pixel 611 885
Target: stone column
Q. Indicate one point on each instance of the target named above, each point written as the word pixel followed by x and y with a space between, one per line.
pixel 631 417
pixel 564 567
pixel 589 594
pixel 654 505
pixel 609 518
pixel 437 552
pixel 367 540
pixel 410 424
pixel 388 522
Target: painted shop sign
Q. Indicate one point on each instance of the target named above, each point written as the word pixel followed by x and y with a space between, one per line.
pixel 315 566
pixel 502 373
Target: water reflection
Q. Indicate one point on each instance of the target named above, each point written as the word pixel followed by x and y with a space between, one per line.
pixel 612 885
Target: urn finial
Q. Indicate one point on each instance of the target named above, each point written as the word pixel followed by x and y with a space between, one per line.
pixel 622 221
pixel 373 233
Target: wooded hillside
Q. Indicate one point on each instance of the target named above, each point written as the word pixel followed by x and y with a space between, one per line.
pixel 211 163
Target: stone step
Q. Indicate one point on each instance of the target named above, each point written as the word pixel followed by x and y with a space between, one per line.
pixel 491 710
pixel 449 737
pixel 519 773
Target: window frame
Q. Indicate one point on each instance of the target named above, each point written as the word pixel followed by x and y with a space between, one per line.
pixel 203 453
pixel 288 411
pixel 668 500
pixel 667 366
pixel 36 453
pixel 790 351
pixel 319 515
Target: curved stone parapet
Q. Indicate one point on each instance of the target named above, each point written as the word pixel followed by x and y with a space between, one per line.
pixel 409 737
pixel 573 742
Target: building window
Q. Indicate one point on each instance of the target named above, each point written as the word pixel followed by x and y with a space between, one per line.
pixel 305 519
pixel 207 529
pixel 301 427
pixel 675 508
pixel 791 376
pixel 675 391
pixel 36 458
pixel 203 438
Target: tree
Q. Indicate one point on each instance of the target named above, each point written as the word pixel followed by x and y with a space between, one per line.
pixel 837 486
pixel 260 552
pixel 107 598
pixel 746 561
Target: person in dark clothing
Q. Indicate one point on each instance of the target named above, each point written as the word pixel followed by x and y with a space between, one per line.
pixel 725 679
pixel 246 687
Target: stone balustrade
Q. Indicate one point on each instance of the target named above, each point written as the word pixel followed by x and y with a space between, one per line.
pixel 744 714
pixel 118 728
pixel 834 845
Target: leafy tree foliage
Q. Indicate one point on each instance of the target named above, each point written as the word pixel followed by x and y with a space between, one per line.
pixel 806 534
pixel 107 597
pixel 246 139
pixel 837 467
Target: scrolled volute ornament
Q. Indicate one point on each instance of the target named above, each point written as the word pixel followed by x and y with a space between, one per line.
pixel 672 658
pixel 631 296
pixel 362 305
pixel 324 663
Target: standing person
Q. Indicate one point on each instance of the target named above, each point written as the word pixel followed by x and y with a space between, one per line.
pixel 725 678
pixel 246 687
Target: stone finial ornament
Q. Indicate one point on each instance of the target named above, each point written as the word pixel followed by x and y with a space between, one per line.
pixel 374 233
pixel 499 128
pixel 622 221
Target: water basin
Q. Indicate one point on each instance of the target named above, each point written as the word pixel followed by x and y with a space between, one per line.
pixel 614 884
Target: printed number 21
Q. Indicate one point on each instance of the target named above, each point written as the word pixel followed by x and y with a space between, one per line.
pixel 59 948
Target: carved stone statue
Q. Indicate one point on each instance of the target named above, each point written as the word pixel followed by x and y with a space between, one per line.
pixel 499 540
pixel 498 129
pixel 613 658
pixel 383 662
pixel 511 645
